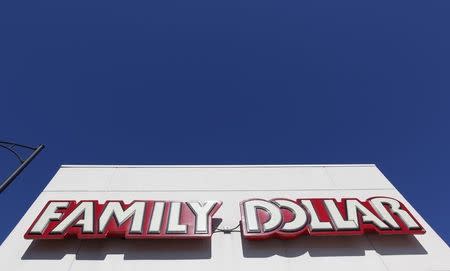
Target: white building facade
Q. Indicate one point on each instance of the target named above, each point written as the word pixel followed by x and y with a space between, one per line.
pixel 223 246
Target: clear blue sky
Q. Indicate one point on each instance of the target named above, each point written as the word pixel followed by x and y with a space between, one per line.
pixel 229 82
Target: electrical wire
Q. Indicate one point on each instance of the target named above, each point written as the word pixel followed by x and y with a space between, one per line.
pixel 234 229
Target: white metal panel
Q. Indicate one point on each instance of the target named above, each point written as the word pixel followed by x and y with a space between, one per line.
pixel 363 177
pixel 294 177
pixel 224 251
pixel 83 178
pixel 221 178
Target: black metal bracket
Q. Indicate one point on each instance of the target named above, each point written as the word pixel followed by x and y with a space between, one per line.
pixel 10 146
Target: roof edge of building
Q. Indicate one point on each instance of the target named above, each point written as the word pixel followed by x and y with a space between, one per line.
pixel 216 166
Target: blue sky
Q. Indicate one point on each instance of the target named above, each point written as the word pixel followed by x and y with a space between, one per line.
pixel 228 82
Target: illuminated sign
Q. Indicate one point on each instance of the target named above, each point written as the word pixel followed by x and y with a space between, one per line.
pixel 284 218
pixel 140 219
pixel 260 219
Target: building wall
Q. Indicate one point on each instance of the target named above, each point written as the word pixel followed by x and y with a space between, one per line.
pixel 231 184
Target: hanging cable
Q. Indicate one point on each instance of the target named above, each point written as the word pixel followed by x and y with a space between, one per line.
pixel 229 230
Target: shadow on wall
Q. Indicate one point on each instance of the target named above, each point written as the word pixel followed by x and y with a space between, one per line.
pixel 201 249
pixel 321 246
pixel 131 249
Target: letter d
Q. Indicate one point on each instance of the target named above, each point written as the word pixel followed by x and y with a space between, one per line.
pixel 251 220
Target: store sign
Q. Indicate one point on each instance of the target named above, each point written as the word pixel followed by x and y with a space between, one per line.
pixel 140 219
pixel 260 219
pixel 284 218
